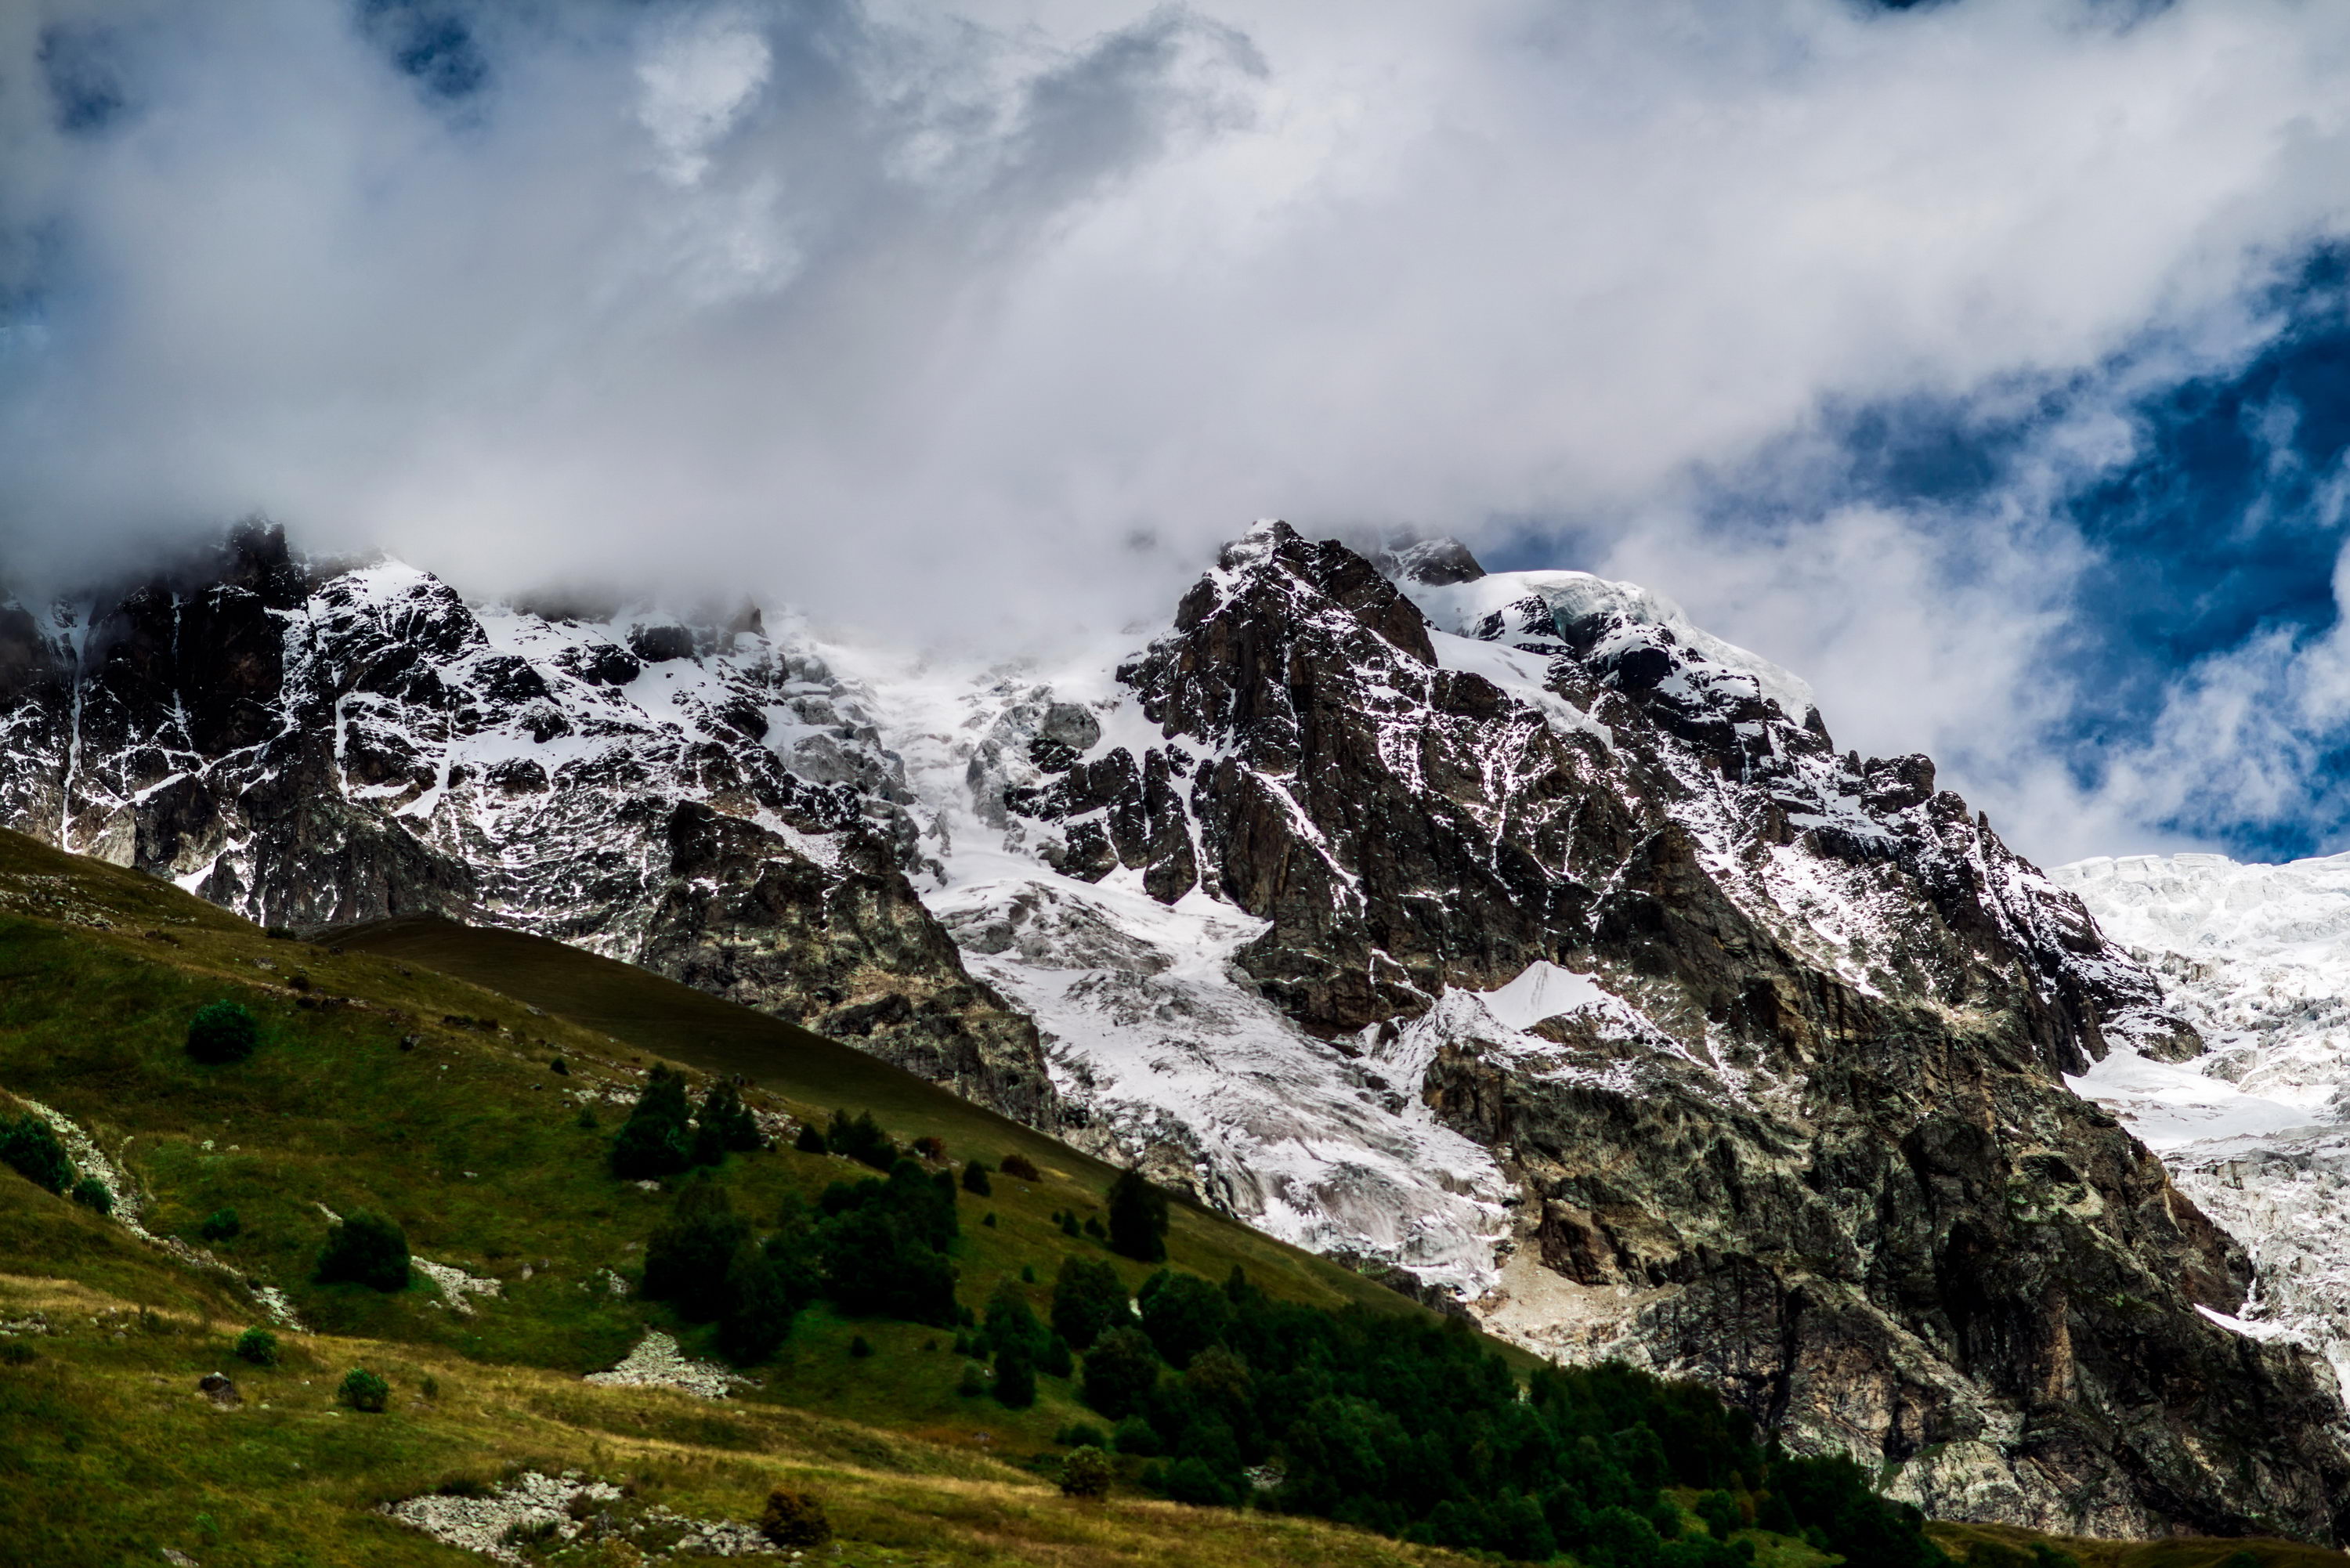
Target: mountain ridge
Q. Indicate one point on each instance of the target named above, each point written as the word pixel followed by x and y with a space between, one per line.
pixel 1248 906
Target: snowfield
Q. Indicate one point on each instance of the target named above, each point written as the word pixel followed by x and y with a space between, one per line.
pixel 2257 1131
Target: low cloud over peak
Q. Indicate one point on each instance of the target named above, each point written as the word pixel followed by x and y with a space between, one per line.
pixel 987 320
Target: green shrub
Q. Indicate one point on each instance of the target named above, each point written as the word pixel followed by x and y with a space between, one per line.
pixel 16 1353
pixel 811 1139
pixel 974 1179
pixel 220 1225
pixel 656 1140
pixel 1721 1513
pixel 1190 1481
pixel 366 1249
pixel 585 1120
pixel 1080 1435
pixel 1056 1360
pixel 363 1390
pixel 1020 1168
pixel 1137 1437
pixel 258 1346
pixel 30 1145
pixel 988 1220
pixel 223 1032
pixel 91 1193
pixel 1086 1474
pixel 973 1382
pixel 859 1347
pixel 794 1519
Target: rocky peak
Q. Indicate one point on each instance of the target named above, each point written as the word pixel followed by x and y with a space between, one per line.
pixel 314 745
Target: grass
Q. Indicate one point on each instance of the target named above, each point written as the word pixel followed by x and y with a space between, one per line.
pixel 406 1067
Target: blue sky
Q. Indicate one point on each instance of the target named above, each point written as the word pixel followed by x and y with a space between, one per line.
pixel 1985 361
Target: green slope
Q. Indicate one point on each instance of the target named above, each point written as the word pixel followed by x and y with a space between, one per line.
pixel 407 1068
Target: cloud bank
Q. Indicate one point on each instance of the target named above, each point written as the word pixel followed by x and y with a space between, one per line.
pixel 988 321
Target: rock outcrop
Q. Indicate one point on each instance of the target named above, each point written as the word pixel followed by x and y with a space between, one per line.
pixel 314 746
pixel 1795 1123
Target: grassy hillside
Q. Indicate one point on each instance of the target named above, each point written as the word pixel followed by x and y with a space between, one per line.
pixel 411 1069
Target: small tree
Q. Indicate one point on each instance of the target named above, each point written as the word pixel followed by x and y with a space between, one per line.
pixel 1088 1299
pixel 1020 1168
pixel 258 1346
pixel 31 1145
pixel 222 1033
pixel 655 1140
pixel 726 1126
pixel 1015 1375
pixel 1086 1474
pixel 811 1139
pixel 91 1193
pixel 974 1179
pixel 220 1225
pixel 1182 1314
pixel 861 1139
pixel 363 1390
pixel 794 1519
pixel 1138 1219
pixel 687 1263
pixel 1119 1373
pixel 365 1250
pixel 760 1306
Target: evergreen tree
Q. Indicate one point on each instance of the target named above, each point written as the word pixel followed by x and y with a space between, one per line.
pixel 1138 1219
pixel 656 1140
pixel 688 1260
pixel 1120 1371
pixel 725 1125
pixel 1182 1314
pixel 365 1249
pixel 861 1139
pixel 760 1306
pixel 811 1139
pixel 1015 1375
pixel 1088 1299
pixel 974 1179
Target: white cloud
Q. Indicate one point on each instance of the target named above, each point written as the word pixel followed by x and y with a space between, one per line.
pixel 926 315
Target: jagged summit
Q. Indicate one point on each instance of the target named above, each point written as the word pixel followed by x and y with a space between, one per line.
pixel 1504 930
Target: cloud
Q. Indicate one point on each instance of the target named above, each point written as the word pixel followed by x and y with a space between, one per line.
pixel 988 320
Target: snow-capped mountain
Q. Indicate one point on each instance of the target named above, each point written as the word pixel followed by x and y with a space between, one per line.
pixel 318 745
pixel 2257 1131
pixel 1506 932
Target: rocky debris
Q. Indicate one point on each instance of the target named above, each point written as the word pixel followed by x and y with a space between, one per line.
pixel 91 1160
pixel 312 747
pixel 488 1524
pixel 657 1362
pixel 1785 1114
pixel 535 1510
pixel 455 1284
pixel 220 1389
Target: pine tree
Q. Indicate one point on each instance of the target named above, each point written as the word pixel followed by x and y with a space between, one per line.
pixel 655 1140
pixel 1138 1219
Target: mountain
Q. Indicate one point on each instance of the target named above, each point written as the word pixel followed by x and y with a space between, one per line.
pixel 315 745
pixel 2259 957
pixel 1504 933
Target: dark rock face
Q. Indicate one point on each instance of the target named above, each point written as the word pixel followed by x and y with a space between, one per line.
pixel 312 751
pixel 1828 1165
